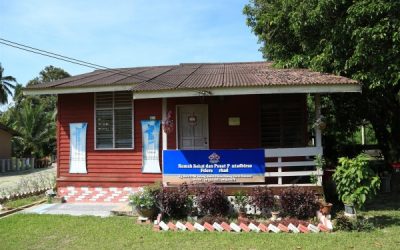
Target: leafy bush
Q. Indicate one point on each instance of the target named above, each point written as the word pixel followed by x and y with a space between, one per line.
pixel 262 198
pixel 241 200
pixel 175 202
pixel 299 203
pixel 359 224
pixel 355 180
pixel 212 200
pixel 144 199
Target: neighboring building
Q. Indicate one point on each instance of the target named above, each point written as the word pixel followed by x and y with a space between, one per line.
pixel 212 106
pixel 6 135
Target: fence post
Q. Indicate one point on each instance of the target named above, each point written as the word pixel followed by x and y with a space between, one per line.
pixel 13 164
pixel 33 163
pixel 320 173
pixel 280 170
pixel 25 163
pixel 3 165
pixel 17 165
pixel 8 165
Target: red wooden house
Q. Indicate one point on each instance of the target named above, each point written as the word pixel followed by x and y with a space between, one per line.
pixel 236 105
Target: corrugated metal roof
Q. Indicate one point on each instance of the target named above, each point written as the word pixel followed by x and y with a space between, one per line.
pixel 198 76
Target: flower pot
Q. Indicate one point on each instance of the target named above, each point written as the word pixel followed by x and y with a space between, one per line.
pixel 274 215
pixel 326 208
pixel 242 217
pixel 242 214
pixel 145 212
pixel 349 210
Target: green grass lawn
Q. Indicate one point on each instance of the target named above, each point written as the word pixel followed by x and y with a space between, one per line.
pixel 22 202
pixel 24 231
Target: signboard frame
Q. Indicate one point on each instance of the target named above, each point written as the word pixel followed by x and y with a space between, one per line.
pixel 214 166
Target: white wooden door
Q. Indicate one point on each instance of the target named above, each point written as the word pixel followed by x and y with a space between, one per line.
pixel 193 126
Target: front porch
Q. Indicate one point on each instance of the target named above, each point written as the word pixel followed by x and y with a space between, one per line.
pixel 275 122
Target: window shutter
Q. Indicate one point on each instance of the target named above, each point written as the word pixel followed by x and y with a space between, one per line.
pixel 104 129
pixel 123 128
pixel 114 120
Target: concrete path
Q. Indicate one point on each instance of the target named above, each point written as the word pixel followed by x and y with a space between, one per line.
pixel 77 209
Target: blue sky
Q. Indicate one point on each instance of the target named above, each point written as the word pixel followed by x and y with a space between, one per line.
pixel 124 33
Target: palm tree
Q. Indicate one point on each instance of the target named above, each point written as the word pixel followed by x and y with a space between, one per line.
pixel 36 130
pixel 5 86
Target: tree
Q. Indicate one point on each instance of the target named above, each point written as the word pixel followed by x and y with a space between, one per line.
pixel 49 74
pixel 35 131
pixel 356 39
pixel 34 117
pixel 5 86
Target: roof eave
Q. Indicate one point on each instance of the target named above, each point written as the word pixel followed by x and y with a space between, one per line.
pixel 75 90
pixel 280 89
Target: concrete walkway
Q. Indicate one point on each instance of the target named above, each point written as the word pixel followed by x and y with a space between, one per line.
pixel 76 209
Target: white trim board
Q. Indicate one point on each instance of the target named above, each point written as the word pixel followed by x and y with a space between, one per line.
pixel 338 88
pixel 250 91
pixel 55 91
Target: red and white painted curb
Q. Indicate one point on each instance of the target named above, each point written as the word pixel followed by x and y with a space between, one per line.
pixel 233 227
pixel 96 194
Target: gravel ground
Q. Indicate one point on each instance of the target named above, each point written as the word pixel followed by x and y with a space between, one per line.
pixel 11 179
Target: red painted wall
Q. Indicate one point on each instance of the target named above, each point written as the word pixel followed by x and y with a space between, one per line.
pixel 222 136
pixel 122 168
pixel 106 168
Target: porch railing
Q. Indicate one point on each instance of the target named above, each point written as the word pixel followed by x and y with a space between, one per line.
pixel 16 164
pixel 293 166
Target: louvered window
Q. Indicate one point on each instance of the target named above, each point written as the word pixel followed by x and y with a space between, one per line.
pixel 114 120
pixel 283 120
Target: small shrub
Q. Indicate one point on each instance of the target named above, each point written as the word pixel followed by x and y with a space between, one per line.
pixel 355 180
pixel 359 224
pixel 212 200
pixel 241 200
pixel 144 199
pixel 299 203
pixel 175 203
pixel 262 198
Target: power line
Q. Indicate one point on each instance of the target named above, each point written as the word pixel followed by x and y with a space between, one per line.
pixel 55 54
pixel 80 62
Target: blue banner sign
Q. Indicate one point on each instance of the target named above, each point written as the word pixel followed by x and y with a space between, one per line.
pixel 150 144
pixel 77 158
pixel 217 166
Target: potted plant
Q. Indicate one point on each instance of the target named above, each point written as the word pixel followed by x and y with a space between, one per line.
pixel 275 209
pixel 144 202
pixel 355 182
pixel 262 199
pixel 241 200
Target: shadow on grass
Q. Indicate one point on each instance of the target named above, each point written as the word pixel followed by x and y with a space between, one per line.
pixel 382 221
pixel 390 201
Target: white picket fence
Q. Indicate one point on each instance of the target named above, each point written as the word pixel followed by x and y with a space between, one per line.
pixel 16 164
pixel 283 161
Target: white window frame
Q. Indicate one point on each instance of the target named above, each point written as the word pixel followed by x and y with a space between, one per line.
pixel 113 115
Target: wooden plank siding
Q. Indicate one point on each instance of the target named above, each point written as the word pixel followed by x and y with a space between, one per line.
pixel 106 168
pixel 122 168
pixel 221 135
